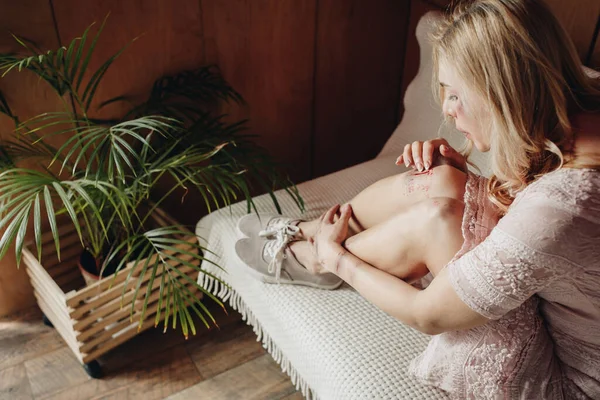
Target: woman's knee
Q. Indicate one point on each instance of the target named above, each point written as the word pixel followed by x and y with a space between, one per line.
pixel 442 219
pixel 439 181
pixel 448 181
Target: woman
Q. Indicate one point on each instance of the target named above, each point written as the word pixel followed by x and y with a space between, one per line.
pixel 515 307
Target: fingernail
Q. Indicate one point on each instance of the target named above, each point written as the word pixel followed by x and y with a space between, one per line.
pixel 406 163
pixel 397 160
pixel 419 166
pixel 427 165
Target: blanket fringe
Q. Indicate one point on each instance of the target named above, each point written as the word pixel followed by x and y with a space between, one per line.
pixel 225 293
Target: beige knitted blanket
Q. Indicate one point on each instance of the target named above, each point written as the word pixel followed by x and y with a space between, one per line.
pixel 333 344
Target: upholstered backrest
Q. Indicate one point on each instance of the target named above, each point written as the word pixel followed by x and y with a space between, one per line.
pixel 422 117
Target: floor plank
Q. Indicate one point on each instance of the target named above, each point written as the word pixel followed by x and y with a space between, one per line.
pixel 54 371
pixel 154 377
pixel 294 396
pixel 14 384
pixel 260 378
pixel 225 349
pixel 23 337
pixel 221 363
pixel 137 349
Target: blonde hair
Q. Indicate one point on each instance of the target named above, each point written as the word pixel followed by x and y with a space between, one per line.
pixel 517 57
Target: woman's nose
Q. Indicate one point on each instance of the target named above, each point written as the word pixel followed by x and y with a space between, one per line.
pixel 448 110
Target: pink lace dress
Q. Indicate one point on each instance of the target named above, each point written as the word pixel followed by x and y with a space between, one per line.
pixel 536 276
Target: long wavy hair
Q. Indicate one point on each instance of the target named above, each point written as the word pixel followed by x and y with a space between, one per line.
pixel 517 57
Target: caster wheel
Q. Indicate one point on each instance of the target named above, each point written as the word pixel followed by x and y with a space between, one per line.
pixel 46 321
pixel 93 369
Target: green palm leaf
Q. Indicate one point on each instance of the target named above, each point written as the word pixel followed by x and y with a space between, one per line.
pixel 102 176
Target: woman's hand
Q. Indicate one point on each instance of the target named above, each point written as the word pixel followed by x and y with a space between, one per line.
pixel 422 155
pixel 327 241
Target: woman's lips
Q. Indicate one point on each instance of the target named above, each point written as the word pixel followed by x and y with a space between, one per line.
pixel 465 133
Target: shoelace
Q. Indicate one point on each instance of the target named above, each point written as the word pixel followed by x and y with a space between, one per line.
pixel 283 233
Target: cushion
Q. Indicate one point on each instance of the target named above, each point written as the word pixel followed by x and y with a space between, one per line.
pixel 333 344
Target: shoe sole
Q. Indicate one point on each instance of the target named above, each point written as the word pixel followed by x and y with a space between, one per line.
pixel 267 279
pixel 271 280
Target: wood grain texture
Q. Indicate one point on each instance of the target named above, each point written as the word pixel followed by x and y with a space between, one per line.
pixel 151 366
pixel 23 337
pixel 595 56
pixel 223 350
pixel 156 339
pixel 169 40
pixel 265 49
pixel 294 396
pixel 360 51
pixel 154 377
pixel 54 371
pixel 260 378
pixel 14 384
pixel 27 96
pixel 579 19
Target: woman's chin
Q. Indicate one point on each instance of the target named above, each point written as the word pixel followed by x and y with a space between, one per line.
pixel 481 147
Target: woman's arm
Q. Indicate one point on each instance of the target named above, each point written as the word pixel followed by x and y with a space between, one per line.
pixel 432 311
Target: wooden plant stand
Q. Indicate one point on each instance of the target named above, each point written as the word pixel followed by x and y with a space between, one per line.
pixel 90 319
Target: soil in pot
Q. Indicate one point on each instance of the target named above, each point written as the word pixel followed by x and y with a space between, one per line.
pixel 90 267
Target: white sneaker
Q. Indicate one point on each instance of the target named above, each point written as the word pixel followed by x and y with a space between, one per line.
pixel 269 258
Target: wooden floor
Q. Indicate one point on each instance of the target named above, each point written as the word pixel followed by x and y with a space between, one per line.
pixel 215 364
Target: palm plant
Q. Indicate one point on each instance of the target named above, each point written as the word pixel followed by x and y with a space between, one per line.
pixel 101 178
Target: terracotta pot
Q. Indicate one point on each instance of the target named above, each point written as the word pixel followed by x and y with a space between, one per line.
pixel 90 267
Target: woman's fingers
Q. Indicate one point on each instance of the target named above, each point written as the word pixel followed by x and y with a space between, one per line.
pixel 417 150
pixel 331 213
pixel 421 155
pixel 346 213
pixel 428 149
pixel 407 155
pixel 456 159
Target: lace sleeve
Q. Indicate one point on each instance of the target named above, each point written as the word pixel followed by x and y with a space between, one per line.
pixel 522 255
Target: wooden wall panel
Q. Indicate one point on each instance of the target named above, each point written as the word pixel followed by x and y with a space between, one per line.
pixel 595 52
pixel 579 19
pixel 360 50
pixel 169 41
pixel 27 96
pixel 265 49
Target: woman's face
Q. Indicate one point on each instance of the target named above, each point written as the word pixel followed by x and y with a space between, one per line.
pixel 465 108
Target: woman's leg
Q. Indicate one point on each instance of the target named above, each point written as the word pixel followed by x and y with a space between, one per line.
pixel 420 239
pixel 390 196
pixel 423 238
pixel 410 223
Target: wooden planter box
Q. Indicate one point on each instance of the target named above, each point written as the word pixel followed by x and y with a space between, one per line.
pixel 90 319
